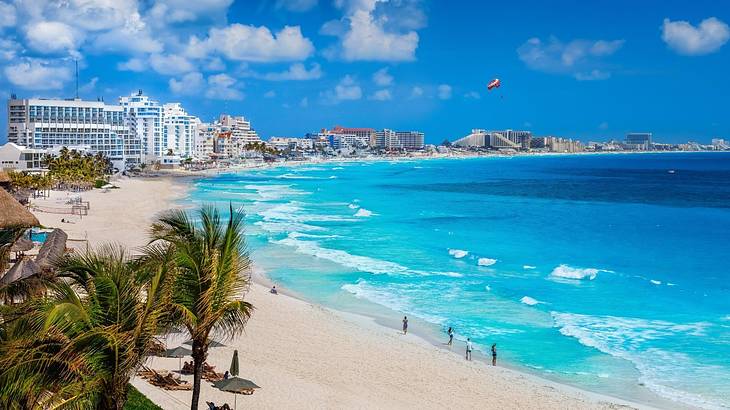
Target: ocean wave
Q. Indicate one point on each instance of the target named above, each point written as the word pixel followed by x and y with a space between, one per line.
pixel 655 282
pixel 528 267
pixel 363 213
pixel 353 206
pixel 458 253
pixel 394 299
pixel 632 339
pixel 296 235
pixel 282 227
pixel 486 261
pixel 295 176
pixel 569 272
pixel 273 192
pixel 529 301
pixel 337 168
pixel 294 211
pixel 360 263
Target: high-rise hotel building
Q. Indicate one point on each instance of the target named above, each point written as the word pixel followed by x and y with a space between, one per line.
pixel 145 118
pixel 180 129
pixel 47 123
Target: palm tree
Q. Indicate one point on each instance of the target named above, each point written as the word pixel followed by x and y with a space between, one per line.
pixel 79 346
pixel 211 277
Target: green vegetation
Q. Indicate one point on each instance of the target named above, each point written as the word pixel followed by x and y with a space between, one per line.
pixel 79 341
pixel 208 261
pixel 138 401
pixel 70 169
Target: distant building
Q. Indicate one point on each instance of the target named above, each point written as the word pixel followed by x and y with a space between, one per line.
pixel 720 144
pixel 145 117
pixel 204 143
pixel 180 129
pixel 291 143
pixel 640 141
pixel 363 134
pixel 507 139
pixel 399 140
pixel 38 123
pixel 15 157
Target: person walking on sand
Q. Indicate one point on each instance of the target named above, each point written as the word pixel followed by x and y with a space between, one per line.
pixel 405 325
pixel 494 354
pixel 469 348
pixel 451 336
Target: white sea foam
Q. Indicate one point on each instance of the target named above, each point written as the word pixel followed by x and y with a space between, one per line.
pixel 296 235
pixel 486 261
pixel 295 176
pixel 361 263
pixel 333 177
pixel 294 211
pixel 631 339
pixel 458 253
pixel 529 301
pixel 569 272
pixel 671 284
pixel 337 168
pixel 281 227
pixel 488 288
pixel 273 192
pixel 363 213
pixel 353 206
pixel 395 299
pixel 528 267
pixel 656 282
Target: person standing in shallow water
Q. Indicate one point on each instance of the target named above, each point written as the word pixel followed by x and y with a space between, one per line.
pixel 494 354
pixel 451 336
pixel 469 348
pixel 405 325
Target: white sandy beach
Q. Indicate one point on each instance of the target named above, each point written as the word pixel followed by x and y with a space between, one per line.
pixel 307 356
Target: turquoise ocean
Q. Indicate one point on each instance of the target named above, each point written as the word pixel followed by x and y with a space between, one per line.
pixel 607 272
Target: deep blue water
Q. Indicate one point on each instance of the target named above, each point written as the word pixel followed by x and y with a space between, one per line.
pixel 610 272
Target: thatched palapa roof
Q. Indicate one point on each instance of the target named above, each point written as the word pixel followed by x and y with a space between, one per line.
pixel 22 245
pixel 4 177
pixel 13 214
pixel 52 250
pixel 21 270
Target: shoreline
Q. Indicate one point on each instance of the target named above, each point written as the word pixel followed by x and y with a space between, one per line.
pixel 283 346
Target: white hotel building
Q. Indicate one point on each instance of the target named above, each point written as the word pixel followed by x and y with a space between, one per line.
pixel 38 123
pixel 144 117
pixel 180 130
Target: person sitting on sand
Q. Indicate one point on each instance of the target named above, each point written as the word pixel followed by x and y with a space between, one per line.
pixel 273 290
pixel 211 405
pixel 451 336
pixel 225 375
pixel 405 325
pixel 494 354
pixel 225 406
pixel 469 348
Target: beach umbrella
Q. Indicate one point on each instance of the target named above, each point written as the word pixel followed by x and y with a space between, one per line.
pixel 212 343
pixel 178 352
pixel 52 250
pixel 234 364
pixel 236 385
pixel 21 270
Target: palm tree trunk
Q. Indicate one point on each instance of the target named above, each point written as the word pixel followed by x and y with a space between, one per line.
pixel 198 360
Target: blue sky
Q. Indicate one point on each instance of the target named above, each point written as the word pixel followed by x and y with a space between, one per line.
pixel 579 69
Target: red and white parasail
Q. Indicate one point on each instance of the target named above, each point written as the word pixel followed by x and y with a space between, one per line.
pixel 494 84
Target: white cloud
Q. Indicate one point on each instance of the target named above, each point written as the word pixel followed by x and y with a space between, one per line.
pixel 382 78
pixel 50 37
pixel 381 95
pixel 215 64
pixel 367 40
pixel 133 64
pixel 37 75
pixel 85 15
pixel 579 58
pixel 444 91
pixel 270 94
pixel 346 90
pixel 376 30
pixel 473 95
pixel 416 92
pixel 592 75
pixel 249 43
pixel 183 11
pixel 686 39
pixel 297 6
pixel 189 84
pixel 170 64
pixel 296 72
pixel 8 49
pixel 90 86
pixel 7 15
pixel 133 37
pixel 222 87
